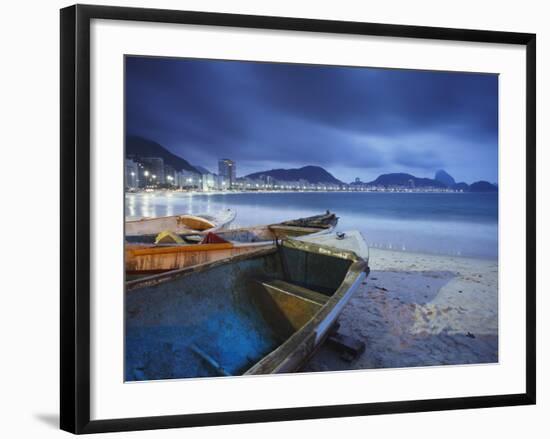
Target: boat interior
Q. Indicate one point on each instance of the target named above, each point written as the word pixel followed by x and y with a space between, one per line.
pixel 224 317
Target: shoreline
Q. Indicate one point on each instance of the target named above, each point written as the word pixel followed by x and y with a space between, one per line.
pixel 417 309
pixel 168 191
pixel 453 230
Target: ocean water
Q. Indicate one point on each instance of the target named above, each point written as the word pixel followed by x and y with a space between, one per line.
pixel 461 224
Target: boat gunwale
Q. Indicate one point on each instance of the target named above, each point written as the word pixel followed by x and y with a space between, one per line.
pixel 327 215
pixel 157 279
pixel 140 249
pixel 354 233
pixel 228 213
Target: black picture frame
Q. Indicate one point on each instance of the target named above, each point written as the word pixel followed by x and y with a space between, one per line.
pixel 75 217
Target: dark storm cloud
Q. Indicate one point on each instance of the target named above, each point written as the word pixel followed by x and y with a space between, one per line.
pixel 419 160
pixel 354 121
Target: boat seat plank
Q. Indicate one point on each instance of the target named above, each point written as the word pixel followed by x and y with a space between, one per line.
pixel 296 290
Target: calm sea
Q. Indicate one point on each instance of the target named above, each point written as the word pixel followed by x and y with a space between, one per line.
pixel 452 224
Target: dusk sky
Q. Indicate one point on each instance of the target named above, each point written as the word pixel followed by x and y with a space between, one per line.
pixel 354 122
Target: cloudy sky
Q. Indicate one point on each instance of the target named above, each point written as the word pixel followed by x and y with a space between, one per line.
pixel 355 122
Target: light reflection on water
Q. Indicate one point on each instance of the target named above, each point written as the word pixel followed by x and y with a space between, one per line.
pixel 460 225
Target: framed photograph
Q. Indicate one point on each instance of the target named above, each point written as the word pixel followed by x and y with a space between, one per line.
pixel 268 218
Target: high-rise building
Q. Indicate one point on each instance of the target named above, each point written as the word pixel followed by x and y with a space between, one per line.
pixel 222 183
pixel 131 174
pixel 228 170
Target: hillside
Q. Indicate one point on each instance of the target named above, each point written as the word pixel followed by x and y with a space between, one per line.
pixel 312 174
pixel 141 147
pixel 483 186
pixel 202 169
pixel 403 179
pixel 445 178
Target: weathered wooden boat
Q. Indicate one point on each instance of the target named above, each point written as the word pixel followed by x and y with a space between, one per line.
pixel 144 256
pixel 259 313
pixel 180 223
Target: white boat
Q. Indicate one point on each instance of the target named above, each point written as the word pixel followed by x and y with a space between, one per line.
pixel 180 223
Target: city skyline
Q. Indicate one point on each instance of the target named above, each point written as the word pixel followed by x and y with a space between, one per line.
pixel 354 122
pixel 203 169
pixel 151 172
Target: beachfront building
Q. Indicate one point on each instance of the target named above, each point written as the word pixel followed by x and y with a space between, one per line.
pixel 264 182
pixel 188 180
pixel 153 170
pixel 228 170
pixel 222 183
pixel 209 182
pixel 179 180
pixel 250 184
pixel 131 174
pixel 170 175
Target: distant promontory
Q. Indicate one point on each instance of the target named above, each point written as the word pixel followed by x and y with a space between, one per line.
pixel 441 180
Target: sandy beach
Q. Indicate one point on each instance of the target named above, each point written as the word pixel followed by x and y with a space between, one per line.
pixel 420 310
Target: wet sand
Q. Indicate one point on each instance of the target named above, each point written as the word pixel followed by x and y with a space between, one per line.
pixel 420 310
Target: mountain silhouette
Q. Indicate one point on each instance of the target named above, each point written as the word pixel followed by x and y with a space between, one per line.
pixel 312 174
pixel 443 177
pixel 137 146
pixel 483 186
pixel 403 179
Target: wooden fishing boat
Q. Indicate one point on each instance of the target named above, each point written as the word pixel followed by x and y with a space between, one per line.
pixel 145 255
pixel 180 223
pixel 259 313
